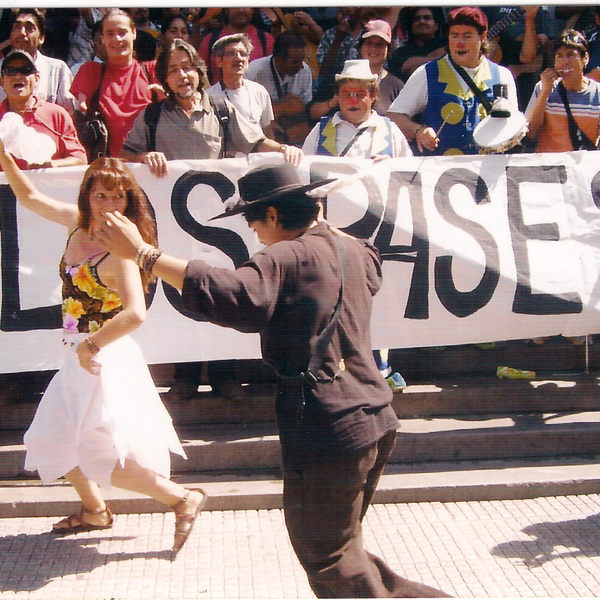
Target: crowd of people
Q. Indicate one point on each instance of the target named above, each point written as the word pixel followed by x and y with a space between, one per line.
pixel 277 68
pixel 168 84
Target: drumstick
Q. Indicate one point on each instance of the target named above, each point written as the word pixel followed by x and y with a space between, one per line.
pixel 450 113
pixel 437 133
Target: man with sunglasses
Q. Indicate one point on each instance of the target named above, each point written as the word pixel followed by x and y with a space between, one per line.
pixel 27 33
pixel 19 79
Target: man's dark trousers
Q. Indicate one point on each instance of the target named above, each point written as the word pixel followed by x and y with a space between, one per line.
pixel 324 507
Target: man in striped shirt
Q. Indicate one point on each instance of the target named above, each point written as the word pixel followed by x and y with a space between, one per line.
pixel 563 89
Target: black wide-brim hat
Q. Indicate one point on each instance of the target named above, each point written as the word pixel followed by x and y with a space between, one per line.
pixel 268 183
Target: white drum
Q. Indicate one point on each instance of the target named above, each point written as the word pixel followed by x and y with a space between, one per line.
pixel 501 130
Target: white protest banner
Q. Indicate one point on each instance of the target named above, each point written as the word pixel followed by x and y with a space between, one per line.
pixel 474 248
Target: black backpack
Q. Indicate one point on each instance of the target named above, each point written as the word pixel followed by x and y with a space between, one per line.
pixel 152 115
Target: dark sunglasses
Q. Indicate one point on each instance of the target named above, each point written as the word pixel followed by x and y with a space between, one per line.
pixel 24 70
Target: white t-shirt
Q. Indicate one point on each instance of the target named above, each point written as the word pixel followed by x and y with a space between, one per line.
pixel 299 84
pixel 251 100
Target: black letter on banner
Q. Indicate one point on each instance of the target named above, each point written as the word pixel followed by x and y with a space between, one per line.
pixel 463 304
pixel 225 240
pixel 12 318
pixel 526 302
pixel 595 189
pixel 417 305
pixel 366 226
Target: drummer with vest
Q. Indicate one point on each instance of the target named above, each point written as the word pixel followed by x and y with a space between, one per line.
pixel 444 100
pixel 356 130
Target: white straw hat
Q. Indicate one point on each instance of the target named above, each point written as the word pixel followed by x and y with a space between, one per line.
pixel 356 69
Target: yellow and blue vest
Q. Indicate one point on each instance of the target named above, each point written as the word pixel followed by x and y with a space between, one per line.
pixel 382 138
pixel 463 110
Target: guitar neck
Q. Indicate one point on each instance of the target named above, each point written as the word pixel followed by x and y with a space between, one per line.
pixel 501 25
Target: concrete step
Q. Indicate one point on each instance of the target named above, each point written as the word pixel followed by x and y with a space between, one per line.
pixel 476 395
pixel 251 446
pixel 438 482
pixel 556 355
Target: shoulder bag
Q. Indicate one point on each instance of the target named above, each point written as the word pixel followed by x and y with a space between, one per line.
pixel 91 126
pixel 579 140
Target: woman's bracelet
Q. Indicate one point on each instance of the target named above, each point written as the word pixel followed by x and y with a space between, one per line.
pixel 141 251
pixel 150 259
pixel 91 346
pixel 146 256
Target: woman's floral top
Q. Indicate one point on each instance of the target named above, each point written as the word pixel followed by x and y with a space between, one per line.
pixel 87 303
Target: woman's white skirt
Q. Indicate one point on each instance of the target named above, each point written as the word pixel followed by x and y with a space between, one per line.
pixel 96 421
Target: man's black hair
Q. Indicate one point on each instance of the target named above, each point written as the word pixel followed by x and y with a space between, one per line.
pixel 294 211
pixel 287 40
pixel 36 13
pixel 407 15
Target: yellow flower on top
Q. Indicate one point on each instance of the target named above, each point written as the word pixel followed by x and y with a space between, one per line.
pixel 93 326
pixel 111 301
pixel 73 308
pixel 83 279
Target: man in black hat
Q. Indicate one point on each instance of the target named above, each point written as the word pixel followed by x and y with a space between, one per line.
pixel 336 426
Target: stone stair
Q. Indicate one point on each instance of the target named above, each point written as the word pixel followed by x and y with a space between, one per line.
pixel 464 435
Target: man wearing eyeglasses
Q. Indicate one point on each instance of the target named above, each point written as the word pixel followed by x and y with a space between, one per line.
pixel 187 125
pixel 356 130
pixel 19 79
pixel 251 99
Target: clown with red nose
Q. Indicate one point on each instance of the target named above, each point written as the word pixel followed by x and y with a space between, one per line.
pixel 356 130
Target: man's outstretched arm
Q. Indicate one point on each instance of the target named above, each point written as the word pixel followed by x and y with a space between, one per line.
pixel 121 237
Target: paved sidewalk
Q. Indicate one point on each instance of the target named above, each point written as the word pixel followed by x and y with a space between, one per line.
pixel 543 547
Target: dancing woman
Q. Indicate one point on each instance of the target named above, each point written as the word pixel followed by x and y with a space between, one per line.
pixel 101 421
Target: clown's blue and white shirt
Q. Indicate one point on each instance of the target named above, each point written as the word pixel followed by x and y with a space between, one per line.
pixel 332 134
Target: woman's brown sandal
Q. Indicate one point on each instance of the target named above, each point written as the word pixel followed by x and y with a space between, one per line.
pixel 76 523
pixel 186 512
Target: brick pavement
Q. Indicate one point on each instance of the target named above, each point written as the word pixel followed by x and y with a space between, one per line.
pixel 543 547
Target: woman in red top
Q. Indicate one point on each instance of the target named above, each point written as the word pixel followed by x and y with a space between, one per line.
pixel 124 88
